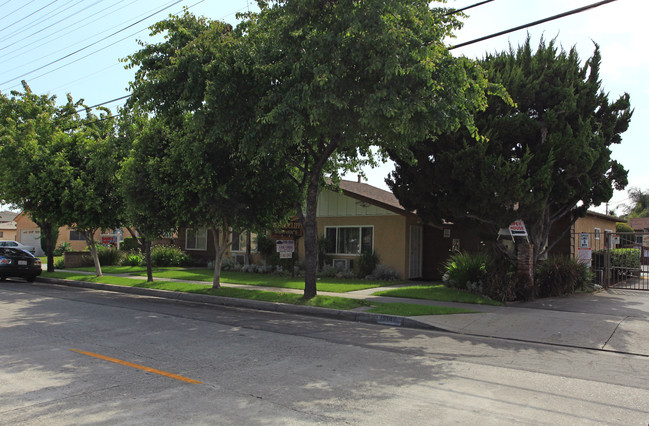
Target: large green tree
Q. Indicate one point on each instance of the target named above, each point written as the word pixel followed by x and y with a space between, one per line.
pixel 639 203
pixel 201 171
pixel 33 171
pixel 146 207
pixel 545 156
pixel 326 80
pixel 91 201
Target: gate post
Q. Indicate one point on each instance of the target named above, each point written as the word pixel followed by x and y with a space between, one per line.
pixel 607 262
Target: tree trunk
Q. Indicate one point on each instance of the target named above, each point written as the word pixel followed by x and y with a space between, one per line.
pixel 90 240
pixel 219 248
pixel 146 243
pixel 310 240
pixel 49 235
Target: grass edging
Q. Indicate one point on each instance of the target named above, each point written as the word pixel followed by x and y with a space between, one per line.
pixel 246 303
pixel 349 315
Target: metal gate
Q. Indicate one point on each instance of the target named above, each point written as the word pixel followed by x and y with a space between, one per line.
pixel 617 260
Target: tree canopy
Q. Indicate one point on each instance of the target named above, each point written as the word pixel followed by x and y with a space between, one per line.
pixel 199 170
pixel 323 81
pixel 59 166
pixel 545 156
pixel 639 203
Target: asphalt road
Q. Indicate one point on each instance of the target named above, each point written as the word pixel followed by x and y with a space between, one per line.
pixel 78 356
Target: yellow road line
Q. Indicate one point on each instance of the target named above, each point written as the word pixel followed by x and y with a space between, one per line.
pixel 140 367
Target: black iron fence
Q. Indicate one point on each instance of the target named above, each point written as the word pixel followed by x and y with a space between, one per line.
pixel 616 259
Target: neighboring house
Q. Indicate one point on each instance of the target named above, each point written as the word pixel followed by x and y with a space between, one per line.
pixel 199 244
pixel 7 216
pixel 8 226
pixel 8 231
pixel 639 224
pixel 29 233
pixel 598 226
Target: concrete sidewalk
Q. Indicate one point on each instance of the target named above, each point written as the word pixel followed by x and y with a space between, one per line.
pixel 610 320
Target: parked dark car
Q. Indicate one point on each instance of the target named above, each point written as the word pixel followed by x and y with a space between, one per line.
pixel 16 262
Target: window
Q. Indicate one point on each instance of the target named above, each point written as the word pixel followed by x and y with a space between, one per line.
pixel 240 240
pixel 349 239
pixel 196 239
pixel 598 232
pixel 1 234
pixel 77 236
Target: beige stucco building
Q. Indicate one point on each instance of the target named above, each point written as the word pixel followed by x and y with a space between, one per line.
pixel 360 218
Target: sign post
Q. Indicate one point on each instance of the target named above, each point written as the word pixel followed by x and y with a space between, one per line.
pixel 286 248
pixel 584 251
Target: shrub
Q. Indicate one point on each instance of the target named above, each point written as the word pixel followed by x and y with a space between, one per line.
pixel 466 270
pixel 267 247
pixel 383 272
pixel 625 258
pixel 59 264
pixel 109 256
pixel 129 244
pixel 169 256
pixel 367 263
pixel 560 275
pixel 63 248
pixel 134 258
pixel 227 264
pixel 328 271
pixel 623 227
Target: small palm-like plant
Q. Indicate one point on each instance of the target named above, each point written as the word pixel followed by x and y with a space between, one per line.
pixel 466 271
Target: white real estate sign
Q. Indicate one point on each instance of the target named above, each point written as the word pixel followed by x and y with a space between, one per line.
pixel 285 248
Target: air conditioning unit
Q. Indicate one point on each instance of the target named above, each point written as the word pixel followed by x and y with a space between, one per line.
pixel 343 265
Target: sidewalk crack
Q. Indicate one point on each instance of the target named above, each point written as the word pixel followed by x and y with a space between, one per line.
pixel 613 332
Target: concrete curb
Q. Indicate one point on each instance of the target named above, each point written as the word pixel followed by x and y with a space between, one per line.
pixel 364 317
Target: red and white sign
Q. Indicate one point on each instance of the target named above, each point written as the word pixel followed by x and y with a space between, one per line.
pixel 517 229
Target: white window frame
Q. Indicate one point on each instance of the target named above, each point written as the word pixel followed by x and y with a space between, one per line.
pixel 197 234
pixel 598 233
pixel 360 233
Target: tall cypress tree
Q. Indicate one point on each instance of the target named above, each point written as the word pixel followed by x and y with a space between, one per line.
pixel 539 159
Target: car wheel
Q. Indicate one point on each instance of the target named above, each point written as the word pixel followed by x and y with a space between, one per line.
pixel 3 278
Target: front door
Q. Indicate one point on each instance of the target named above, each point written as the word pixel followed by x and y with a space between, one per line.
pixel 416 241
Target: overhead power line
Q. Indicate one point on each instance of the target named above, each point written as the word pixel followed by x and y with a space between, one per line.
pixel 31 24
pixel 11 13
pixel 91 44
pixel 27 16
pixel 531 24
pixel 452 12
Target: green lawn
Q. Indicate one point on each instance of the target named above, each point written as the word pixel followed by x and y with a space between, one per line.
pixel 342 303
pixel 438 292
pixel 334 285
pixel 44 259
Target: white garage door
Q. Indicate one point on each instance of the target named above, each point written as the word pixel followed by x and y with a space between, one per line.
pixel 31 237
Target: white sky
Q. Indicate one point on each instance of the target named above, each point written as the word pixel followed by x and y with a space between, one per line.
pixel 31 39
